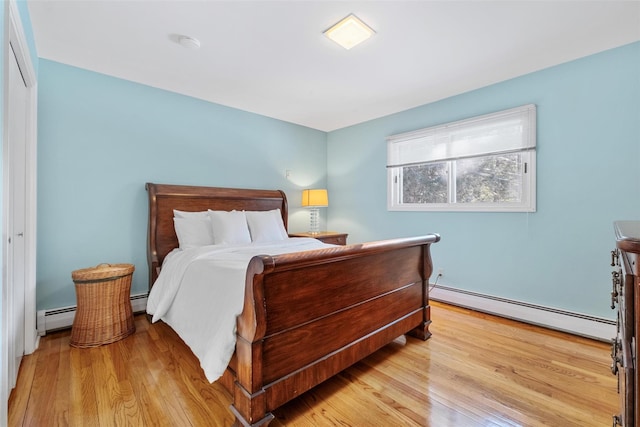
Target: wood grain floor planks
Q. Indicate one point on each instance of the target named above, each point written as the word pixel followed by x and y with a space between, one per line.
pixel 476 370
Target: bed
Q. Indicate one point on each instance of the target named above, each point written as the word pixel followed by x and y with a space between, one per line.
pixel 307 315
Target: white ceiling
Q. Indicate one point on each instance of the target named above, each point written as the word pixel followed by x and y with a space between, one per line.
pixel 271 58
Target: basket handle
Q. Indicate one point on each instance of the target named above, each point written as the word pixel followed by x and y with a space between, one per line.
pixel 104 264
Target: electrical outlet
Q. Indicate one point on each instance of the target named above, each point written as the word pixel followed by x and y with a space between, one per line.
pixel 441 272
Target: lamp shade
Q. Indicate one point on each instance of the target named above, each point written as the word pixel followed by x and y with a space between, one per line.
pixel 317 197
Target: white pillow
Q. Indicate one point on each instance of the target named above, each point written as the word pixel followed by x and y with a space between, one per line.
pixel 229 227
pixel 193 232
pixel 266 226
pixel 188 214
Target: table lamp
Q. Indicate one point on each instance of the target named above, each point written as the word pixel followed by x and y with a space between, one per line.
pixel 315 199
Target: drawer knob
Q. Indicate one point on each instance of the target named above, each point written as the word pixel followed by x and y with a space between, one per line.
pixel 617 421
pixel 616 359
pixel 615 280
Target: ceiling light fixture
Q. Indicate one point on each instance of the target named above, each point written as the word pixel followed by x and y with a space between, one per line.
pixel 349 32
pixel 189 42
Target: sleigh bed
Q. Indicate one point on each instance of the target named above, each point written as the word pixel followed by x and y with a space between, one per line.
pixel 306 315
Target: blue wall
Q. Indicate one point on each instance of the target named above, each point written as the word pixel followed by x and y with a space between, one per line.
pixel 587 177
pixel 101 138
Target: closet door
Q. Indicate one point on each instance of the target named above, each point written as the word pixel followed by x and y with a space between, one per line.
pixel 16 260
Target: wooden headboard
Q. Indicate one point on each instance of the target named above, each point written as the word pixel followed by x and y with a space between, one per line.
pixel 163 199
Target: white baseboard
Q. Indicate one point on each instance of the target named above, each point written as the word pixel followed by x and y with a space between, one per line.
pixel 575 323
pixel 62 318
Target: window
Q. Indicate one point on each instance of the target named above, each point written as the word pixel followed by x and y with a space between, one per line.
pixel 485 163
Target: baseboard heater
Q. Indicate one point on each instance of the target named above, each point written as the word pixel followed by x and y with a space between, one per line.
pixel 62 318
pixel 598 328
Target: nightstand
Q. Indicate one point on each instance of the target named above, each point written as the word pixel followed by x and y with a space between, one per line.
pixel 330 237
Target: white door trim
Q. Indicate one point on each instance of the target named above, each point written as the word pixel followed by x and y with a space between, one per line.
pixel 14 36
pixel 19 42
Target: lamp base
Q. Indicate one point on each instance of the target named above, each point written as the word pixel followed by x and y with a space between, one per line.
pixel 314 220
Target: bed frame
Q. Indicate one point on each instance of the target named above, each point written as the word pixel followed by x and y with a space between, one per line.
pixel 308 315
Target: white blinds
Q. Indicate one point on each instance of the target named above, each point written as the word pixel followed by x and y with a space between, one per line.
pixel 502 132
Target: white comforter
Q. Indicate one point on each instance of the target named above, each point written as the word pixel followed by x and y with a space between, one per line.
pixel 200 292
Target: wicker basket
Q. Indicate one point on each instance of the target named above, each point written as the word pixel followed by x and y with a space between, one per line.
pixel 104 313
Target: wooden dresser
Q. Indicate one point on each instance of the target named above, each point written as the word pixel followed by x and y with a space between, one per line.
pixel 625 298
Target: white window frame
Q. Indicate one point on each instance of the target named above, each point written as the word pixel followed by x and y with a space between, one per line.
pixel 438 144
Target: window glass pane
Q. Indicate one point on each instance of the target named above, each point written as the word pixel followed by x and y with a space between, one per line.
pixel 425 183
pixel 489 179
pixel 480 164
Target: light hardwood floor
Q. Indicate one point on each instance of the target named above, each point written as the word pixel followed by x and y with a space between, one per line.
pixel 476 370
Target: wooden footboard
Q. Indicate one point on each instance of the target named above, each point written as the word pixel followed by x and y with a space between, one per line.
pixel 309 315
